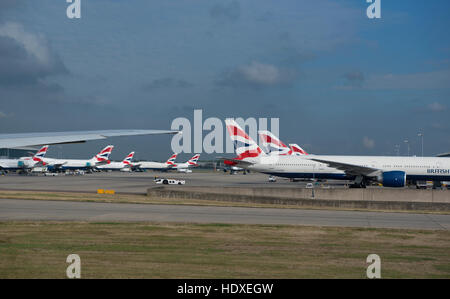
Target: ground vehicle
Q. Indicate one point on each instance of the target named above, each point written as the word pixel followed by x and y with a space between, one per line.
pixel 50 174
pixel 424 185
pixel 272 179
pixel 169 181
pixel 309 185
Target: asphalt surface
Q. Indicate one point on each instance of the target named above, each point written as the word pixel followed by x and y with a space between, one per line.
pixel 37 210
pixel 137 182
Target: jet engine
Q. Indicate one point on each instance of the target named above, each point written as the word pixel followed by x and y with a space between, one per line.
pixel 393 179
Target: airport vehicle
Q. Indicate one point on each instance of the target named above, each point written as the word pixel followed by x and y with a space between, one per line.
pixel 124 165
pixel 24 163
pixel 50 174
pixel 272 179
pixel 184 167
pixel 169 181
pixel 149 165
pixel 390 171
pixel 31 139
pixel 74 164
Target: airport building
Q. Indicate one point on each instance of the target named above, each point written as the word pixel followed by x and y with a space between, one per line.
pixel 6 153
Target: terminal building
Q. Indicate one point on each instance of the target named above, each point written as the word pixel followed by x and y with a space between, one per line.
pixel 12 153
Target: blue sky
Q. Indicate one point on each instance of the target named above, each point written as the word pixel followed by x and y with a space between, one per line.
pixel 339 82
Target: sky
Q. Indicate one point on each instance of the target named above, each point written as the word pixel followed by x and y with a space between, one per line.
pixel 339 82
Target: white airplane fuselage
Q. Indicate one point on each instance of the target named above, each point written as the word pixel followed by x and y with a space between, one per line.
pixel 148 165
pixel 415 168
pixel 114 166
pixel 70 163
pixel 16 164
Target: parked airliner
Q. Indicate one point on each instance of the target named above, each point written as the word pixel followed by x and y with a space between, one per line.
pixel 390 171
pixel 24 163
pixel 63 164
pixel 124 165
pixel 150 165
pixel 184 167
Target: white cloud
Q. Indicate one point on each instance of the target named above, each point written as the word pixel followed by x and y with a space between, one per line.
pixel 261 73
pixel 368 143
pixel 258 74
pixel 35 45
pixel 427 80
pixel 437 107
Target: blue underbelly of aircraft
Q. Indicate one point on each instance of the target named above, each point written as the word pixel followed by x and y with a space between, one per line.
pixel 438 178
pixel 338 176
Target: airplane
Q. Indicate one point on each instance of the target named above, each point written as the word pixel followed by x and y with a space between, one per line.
pixel 63 164
pixel 24 163
pixel 297 150
pixel 272 142
pixel 275 145
pixel 184 167
pixel 150 165
pixel 390 171
pixel 124 165
pixel 17 140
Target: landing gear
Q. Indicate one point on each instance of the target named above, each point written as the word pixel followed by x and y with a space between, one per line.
pixel 359 183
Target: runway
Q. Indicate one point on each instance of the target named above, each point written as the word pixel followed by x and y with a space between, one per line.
pixel 134 182
pixel 37 210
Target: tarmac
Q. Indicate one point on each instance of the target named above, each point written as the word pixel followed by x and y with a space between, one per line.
pixel 37 210
pixel 136 182
pixel 139 183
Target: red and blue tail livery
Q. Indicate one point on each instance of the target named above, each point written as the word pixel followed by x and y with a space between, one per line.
pixel 193 160
pixel 128 159
pixel 244 146
pixel 274 145
pixel 103 155
pixel 171 160
pixel 297 150
pixel 40 154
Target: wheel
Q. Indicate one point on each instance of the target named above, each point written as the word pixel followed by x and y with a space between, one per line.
pixel 165 182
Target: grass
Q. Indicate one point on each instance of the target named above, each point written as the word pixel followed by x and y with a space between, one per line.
pixel 165 250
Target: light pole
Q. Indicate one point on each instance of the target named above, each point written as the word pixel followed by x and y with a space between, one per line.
pixel 421 135
pixel 407 143
pixel 397 149
pixel 314 179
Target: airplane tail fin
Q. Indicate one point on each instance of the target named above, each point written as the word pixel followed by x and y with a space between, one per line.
pixel 40 154
pixel 171 160
pixel 193 160
pixel 297 150
pixel 128 159
pixel 244 146
pixel 103 155
pixel 275 145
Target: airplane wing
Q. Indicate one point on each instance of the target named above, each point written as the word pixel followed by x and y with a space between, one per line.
pixel 29 139
pixel 238 162
pixel 348 168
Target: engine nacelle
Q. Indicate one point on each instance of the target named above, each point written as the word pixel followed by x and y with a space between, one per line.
pixel 394 179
